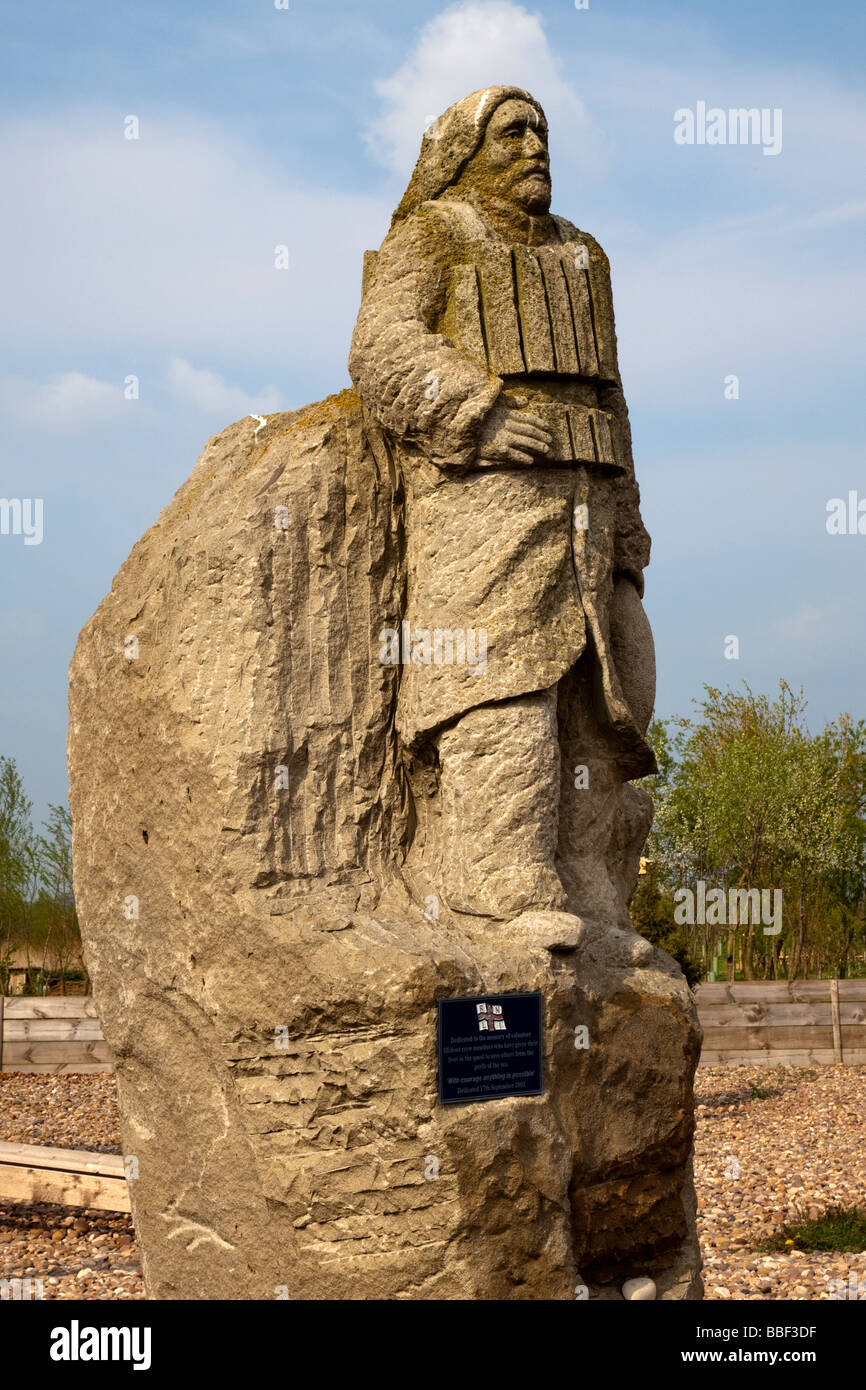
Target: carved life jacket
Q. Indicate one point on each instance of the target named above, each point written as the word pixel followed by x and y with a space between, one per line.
pixel 541 318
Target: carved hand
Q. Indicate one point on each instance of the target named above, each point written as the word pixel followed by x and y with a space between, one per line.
pixel 512 436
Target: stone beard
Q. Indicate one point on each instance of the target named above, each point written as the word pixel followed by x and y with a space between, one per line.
pixel 485 359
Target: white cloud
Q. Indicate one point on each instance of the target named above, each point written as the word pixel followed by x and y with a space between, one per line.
pixel 73 402
pixel 815 626
pixel 698 296
pixel 208 391
pixel 165 246
pixel 70 401
pixel 471 45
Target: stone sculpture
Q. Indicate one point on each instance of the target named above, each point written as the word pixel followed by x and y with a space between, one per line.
pixel 356 730
pixel 485 353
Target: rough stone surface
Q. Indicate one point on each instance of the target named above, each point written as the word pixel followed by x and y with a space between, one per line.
pixel 639 1290
pixel 289 843
pixel 798 1143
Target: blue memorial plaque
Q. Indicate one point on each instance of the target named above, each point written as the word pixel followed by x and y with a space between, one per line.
pixel 489 1046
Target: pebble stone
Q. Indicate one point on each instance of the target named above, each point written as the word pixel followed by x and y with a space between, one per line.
pixel 76 1253
pixel 639 1289
pixel 762 1159
pixel 759 1160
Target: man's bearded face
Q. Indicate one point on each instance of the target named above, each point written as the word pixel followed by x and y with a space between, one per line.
pixel 513 163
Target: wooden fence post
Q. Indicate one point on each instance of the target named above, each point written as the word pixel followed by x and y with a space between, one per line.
pixel 837 1023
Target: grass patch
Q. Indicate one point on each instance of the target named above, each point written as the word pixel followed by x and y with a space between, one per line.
pixel 758 1092
pixel 838 1228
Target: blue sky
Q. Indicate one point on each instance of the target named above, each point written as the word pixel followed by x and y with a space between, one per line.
pixel 260 126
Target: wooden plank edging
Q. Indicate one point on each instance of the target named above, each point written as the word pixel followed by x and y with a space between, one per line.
pixel 70 1177
pixel 767 1023
pixel 837 1027
pixel 50 1006
pixel 19 1183
pixel 66 1160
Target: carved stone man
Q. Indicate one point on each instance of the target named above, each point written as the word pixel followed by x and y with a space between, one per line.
pixel 324 842
pixel 485 357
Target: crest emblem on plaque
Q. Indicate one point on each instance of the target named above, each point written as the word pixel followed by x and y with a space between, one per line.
pixel 490 1018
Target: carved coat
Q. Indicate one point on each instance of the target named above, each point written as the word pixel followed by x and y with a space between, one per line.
pixel 453 318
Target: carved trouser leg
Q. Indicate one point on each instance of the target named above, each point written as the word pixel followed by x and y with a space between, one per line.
pixel 589 799
pixel 603 820
pixel 499 788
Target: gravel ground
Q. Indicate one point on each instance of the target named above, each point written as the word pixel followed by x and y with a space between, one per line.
pixel 758 1161
pixel 65 1112
pixel 761 1161
pixel 75 1252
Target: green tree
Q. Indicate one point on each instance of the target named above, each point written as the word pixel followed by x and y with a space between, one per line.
pixel 18 863
pixel 746 797
pixel 54 915
pixel 652 912
pixel 37 907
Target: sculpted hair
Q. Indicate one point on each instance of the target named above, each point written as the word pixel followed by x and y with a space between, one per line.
pixel 451 141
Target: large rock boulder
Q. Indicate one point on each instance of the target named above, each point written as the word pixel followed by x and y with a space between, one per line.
pixel 266 981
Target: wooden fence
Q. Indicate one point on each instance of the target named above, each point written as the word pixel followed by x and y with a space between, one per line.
pixel 51 1033
pixel 757 1021
pixel 783 1023
pixel 71 1177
